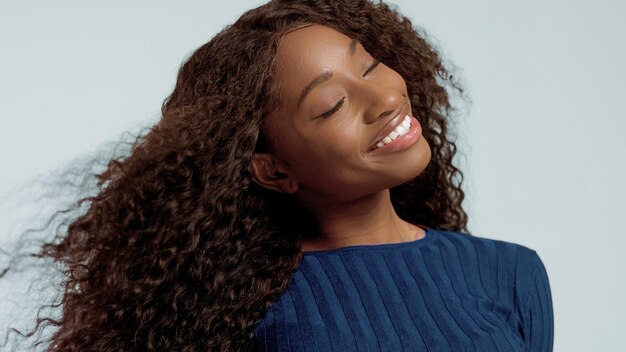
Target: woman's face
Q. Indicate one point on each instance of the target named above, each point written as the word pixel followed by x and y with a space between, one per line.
pixel 337 105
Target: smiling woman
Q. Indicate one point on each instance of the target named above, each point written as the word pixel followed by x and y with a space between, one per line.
pixel 298 193
pixel 344 170
pixel 340 164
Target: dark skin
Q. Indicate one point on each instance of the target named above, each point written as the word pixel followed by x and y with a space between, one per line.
pixel 323 141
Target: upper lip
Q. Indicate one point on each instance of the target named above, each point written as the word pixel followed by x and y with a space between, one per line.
pixel 396 119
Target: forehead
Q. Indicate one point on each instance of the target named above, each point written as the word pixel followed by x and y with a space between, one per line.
pixel 305 53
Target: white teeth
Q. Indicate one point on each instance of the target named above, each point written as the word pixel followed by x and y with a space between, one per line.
pixel 400 130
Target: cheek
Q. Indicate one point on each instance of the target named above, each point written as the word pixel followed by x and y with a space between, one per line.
pixel 337 142
pixel 328 159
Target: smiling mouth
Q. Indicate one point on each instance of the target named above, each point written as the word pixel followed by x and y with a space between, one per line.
pixel 400 130
pixel 395 128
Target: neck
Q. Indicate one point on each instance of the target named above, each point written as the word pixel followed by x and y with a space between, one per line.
pixel 368 220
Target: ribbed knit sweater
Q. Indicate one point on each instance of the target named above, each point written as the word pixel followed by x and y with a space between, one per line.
pixel 447 291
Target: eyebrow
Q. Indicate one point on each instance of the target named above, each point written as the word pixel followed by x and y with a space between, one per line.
pixel 325 76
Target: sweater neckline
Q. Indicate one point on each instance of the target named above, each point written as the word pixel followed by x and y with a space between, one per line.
pixel 429 235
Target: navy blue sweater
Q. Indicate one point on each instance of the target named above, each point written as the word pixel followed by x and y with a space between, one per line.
pixel 445 292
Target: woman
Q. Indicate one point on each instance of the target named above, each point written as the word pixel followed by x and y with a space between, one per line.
pixel 297 194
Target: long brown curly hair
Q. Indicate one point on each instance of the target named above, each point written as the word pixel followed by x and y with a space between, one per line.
pixel 180 250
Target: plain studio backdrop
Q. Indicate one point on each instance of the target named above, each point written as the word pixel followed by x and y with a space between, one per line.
pixel 542 144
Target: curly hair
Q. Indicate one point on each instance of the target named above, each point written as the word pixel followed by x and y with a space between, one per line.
pixel 180 250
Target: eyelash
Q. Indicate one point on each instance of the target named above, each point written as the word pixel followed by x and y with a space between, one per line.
pixel 333 110
pixel 340 103
pixel 372 67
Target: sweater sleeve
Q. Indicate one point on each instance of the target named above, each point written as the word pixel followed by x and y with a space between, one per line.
pixel 536 310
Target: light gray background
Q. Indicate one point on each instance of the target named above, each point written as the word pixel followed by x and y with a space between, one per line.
pixel 543 140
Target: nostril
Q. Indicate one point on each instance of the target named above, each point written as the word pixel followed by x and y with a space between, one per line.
pixel 386 113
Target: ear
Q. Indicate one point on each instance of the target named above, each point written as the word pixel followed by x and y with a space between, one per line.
pixel 270 172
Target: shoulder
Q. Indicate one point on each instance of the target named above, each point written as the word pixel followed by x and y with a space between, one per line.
pixel 484 244
pixel 513 276
pixel 521 262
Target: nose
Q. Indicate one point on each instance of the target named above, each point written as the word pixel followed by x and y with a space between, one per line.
pixel 381 102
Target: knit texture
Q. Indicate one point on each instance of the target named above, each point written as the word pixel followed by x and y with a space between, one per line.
pixel 448 291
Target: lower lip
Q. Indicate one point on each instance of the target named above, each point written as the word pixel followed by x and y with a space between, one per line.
pixel 404 141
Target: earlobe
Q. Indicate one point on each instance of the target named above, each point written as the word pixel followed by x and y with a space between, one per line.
pixel 268 172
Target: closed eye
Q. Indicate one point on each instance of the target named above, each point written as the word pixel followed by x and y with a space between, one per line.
pixel 334 109
pixel 340 103
pixel 372 67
